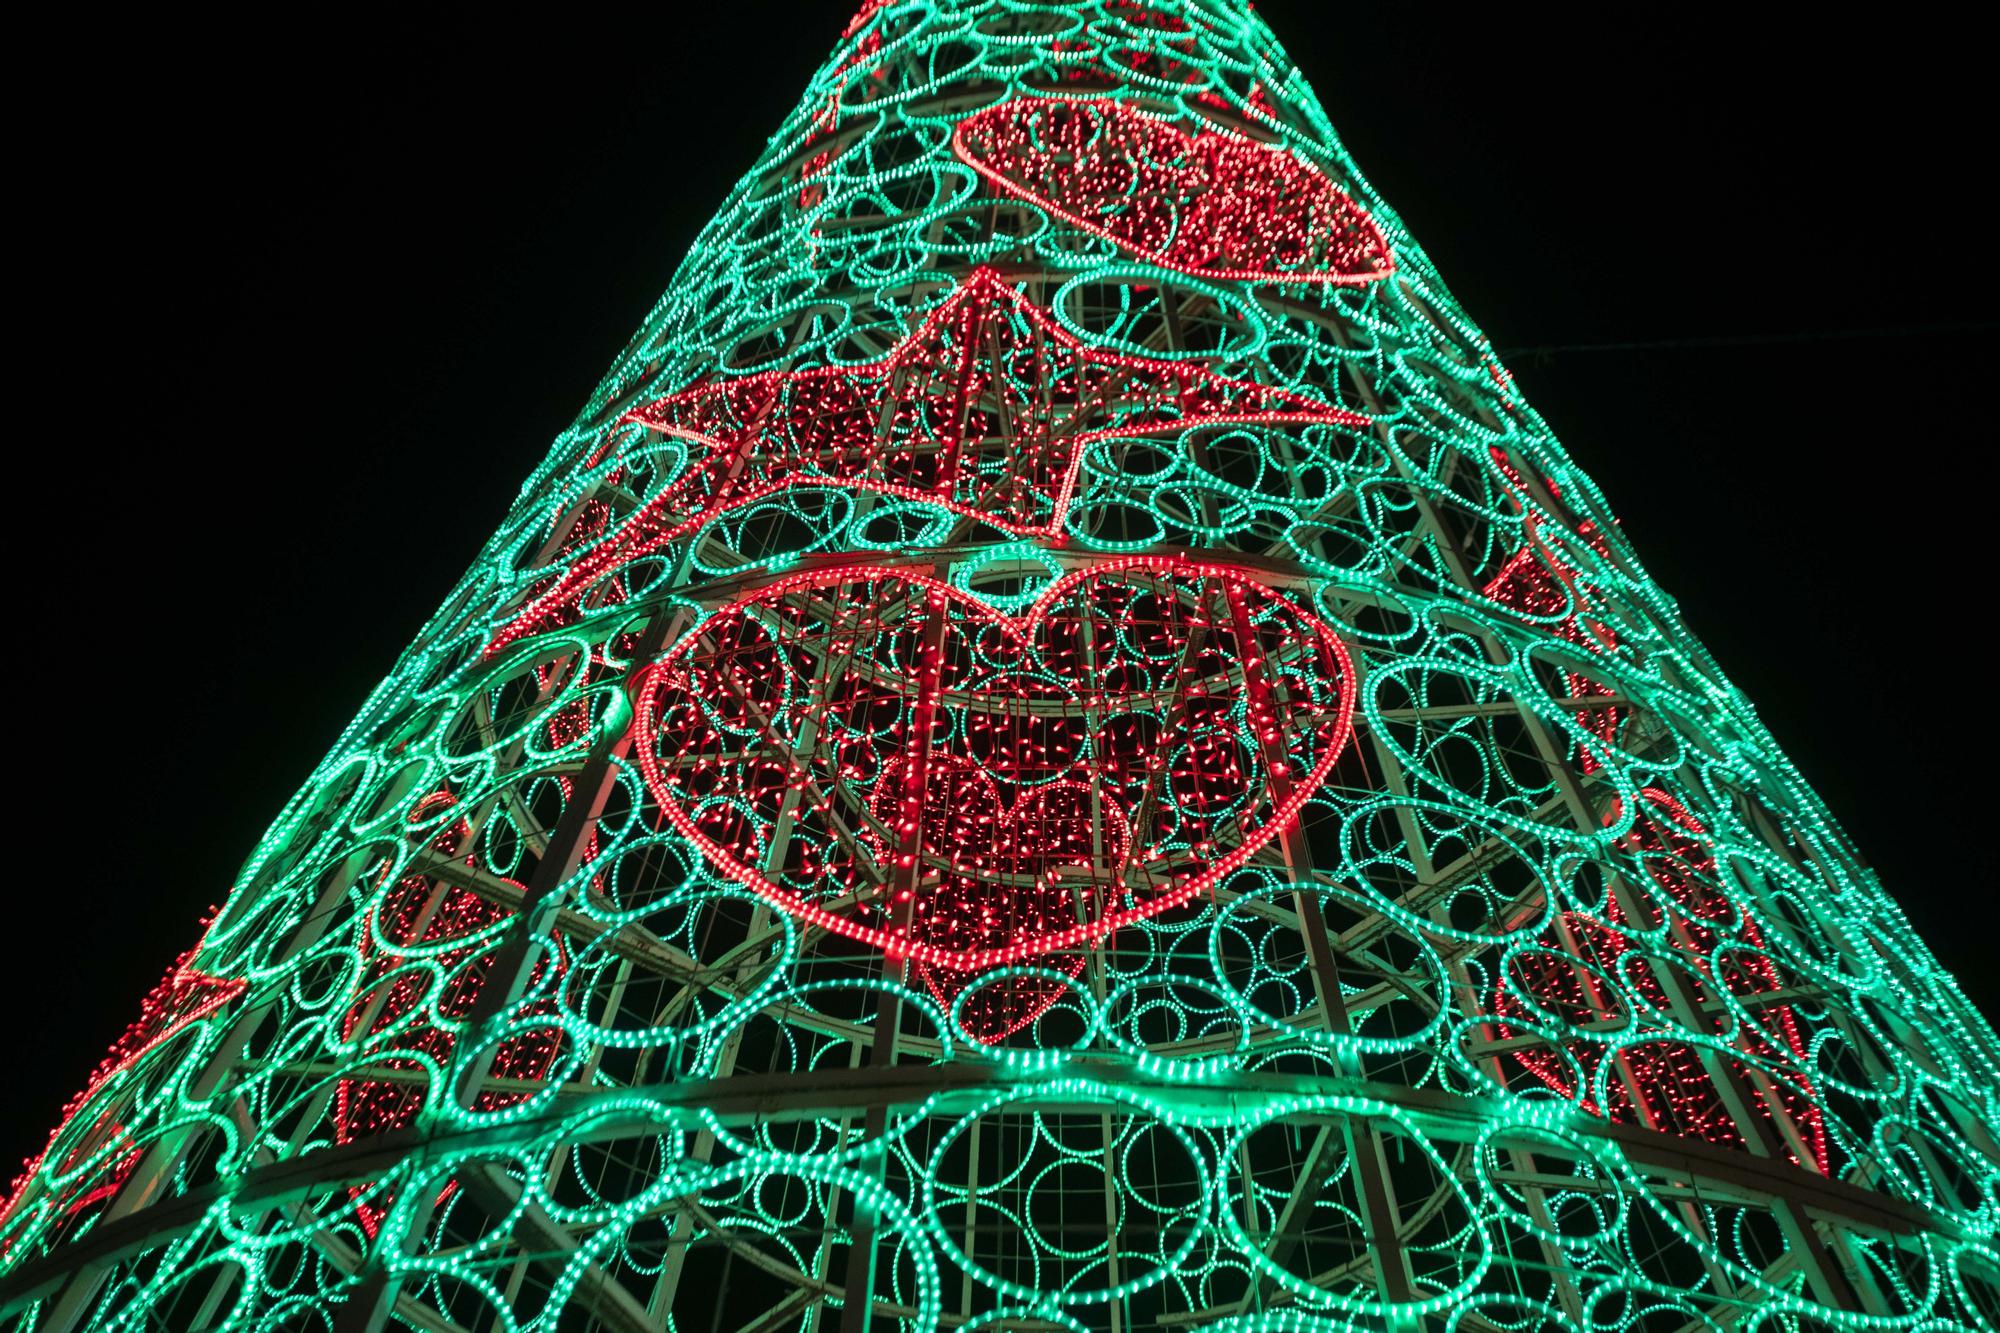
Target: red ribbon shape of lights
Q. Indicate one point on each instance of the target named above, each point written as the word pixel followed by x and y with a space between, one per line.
pixel 1214 204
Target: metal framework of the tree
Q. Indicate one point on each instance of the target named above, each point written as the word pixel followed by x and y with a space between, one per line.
pixel 1056 750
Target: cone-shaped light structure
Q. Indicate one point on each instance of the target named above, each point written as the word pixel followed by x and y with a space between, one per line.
pixel 1057 749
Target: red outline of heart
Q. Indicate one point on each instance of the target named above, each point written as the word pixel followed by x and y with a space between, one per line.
pixel 621 547
pixel 1283 812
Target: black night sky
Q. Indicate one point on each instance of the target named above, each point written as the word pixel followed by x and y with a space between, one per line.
pixel 306 301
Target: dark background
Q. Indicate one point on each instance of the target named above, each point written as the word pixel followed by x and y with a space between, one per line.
pixel 305 305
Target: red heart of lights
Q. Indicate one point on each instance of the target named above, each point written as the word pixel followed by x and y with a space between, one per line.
pixel 984 410
pixel 1214 204
pixel 889 758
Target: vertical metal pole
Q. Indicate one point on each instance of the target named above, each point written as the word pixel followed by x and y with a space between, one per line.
pixel 1380 1218
pixel 858 1288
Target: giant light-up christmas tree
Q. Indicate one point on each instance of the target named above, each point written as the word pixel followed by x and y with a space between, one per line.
pixel 1055 750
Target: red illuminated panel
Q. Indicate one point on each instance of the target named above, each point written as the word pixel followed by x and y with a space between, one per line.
pixel 1538 581
pixel 428 951
pixel 1212 204
pixel 1587 969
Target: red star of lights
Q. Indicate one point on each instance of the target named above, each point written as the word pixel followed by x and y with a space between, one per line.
pixel 1214 204
pixel 984 410
pixel 890 759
